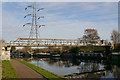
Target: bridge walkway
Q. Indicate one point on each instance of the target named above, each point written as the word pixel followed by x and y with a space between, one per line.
pixel 24 71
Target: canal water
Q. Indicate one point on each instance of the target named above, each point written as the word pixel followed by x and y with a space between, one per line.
pixel 78 67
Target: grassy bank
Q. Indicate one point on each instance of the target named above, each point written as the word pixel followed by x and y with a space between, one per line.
pixel 7 70
pixel 45 73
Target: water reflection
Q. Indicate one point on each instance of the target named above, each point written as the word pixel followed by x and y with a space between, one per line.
pixel 78 68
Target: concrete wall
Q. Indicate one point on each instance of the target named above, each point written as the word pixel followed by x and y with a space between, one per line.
pixel 5 53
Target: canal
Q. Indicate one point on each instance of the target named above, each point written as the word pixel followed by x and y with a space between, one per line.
pixel 78 68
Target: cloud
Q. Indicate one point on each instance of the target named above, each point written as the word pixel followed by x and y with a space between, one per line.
pixel 73 30
pixel 85 10
pixel 61 0
pixel 62 20
pixel 11 27
pixel 0 20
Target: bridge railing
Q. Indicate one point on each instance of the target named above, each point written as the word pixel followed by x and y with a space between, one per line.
pixel 56 42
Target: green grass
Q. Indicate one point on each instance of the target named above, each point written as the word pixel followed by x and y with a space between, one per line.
pixel 45 73
pixel 7 70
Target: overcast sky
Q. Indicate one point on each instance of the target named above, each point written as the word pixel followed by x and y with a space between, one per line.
pixel 63 20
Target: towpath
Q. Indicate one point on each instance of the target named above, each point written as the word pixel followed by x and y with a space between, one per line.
pixel 24 71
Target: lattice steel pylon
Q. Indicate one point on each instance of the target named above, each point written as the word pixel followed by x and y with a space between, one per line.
pixel 34 32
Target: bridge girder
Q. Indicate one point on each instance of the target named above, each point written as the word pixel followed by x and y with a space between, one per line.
pixel 33 42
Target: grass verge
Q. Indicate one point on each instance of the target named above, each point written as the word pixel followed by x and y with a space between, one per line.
pixel 7 70
pixel 45 73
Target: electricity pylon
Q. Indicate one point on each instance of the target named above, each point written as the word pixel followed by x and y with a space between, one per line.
pixel 34 32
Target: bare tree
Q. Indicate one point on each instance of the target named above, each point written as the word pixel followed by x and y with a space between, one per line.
pixel 91 34
pixel 115 36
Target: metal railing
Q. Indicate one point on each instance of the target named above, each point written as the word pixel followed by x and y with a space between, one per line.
pixel 21 42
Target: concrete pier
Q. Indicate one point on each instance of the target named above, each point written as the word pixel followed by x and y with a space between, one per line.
pixel 5 55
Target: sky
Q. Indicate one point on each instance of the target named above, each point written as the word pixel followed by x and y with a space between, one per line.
pixel 63 20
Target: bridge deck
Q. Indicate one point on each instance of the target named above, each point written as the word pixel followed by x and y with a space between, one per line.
pixel 33 42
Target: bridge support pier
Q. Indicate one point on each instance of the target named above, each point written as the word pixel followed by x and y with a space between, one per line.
pixel 5 53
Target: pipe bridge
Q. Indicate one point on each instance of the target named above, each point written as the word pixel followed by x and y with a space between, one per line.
pixel 33 42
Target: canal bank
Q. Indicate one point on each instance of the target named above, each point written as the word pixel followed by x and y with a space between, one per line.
pixel 16 69
pixel 8 71
pixel 24 71
pixel 46 74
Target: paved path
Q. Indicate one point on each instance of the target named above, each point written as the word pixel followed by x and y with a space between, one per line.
pixel 24 71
